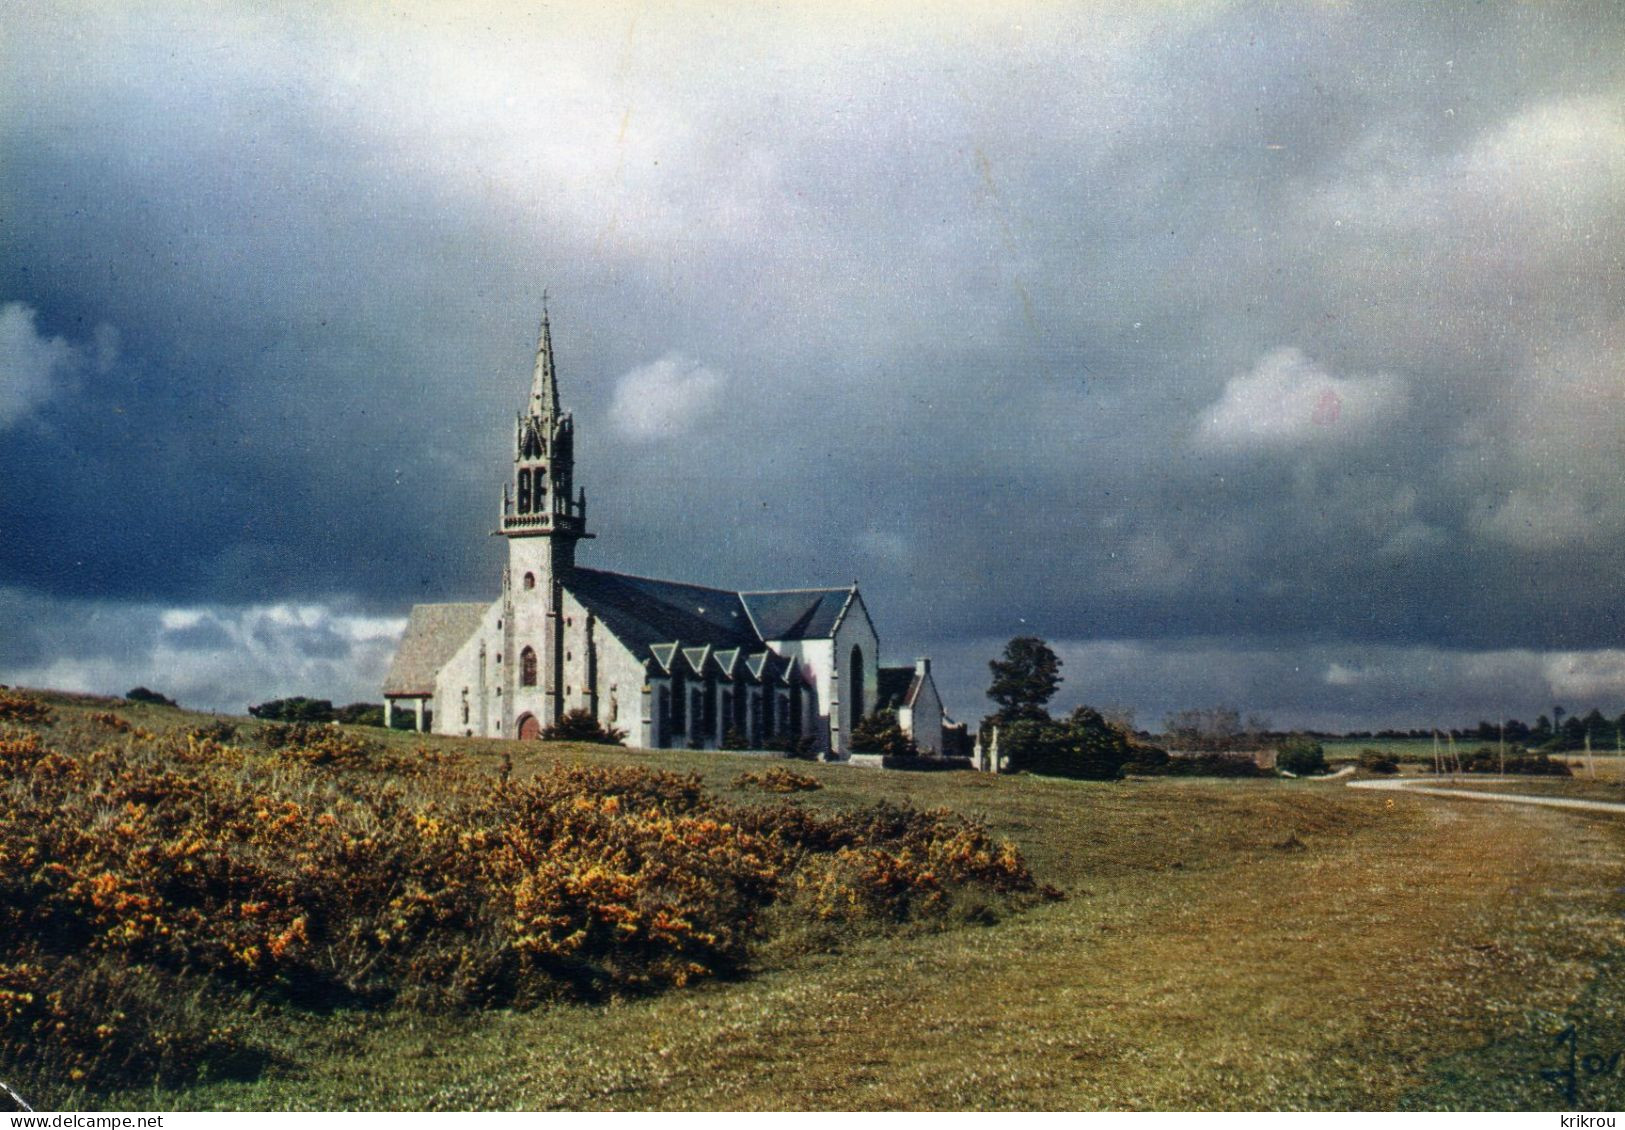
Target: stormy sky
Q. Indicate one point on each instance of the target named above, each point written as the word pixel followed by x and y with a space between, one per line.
pixel 1255 355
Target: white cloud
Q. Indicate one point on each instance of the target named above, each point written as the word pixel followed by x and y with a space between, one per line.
pixel 220 658
pixel 31 366
pixel 1588 676
pixel 1288 401
pixel 666 398
pixel 1337 675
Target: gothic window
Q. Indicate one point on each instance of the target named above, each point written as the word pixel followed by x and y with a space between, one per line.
pixel 854 693
pixel 524 490
pixel 527 667
pixel 530 580
pixel 795 709
pixel 696 710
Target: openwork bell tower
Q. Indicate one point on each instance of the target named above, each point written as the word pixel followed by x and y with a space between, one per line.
pixel 538 502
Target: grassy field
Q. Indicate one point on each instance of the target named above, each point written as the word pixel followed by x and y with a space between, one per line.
pixel 1222 945
pixel 1406 749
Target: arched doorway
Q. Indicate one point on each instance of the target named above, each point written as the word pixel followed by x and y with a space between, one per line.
pixel 529 728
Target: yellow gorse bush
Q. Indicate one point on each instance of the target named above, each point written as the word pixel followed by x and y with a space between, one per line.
pixel 315 868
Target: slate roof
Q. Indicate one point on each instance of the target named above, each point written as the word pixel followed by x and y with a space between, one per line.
pixel 653 618
pixel 798 614
pixel 433 634
pixel 642 612
pixel 896 687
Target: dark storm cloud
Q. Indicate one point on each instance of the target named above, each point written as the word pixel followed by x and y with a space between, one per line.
pixel 1280 328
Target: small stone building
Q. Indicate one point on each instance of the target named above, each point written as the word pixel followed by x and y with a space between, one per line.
pixel 913 694
pixel 671 664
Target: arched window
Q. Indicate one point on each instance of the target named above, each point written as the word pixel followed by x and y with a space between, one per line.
pixel 854 693
pixel 530 580
pixel 524 490
pixel 527 667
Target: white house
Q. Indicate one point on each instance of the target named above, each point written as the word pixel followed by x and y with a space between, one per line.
pixel 671 664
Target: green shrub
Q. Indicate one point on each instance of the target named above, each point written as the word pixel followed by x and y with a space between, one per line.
pixel 1301 756
pixel 1082 745
pixel 142 694
pixel 1211 765
pixel 1516 761
pixel 798 746
pixel 581 726
pixel 361 714
pixel 1375 761
pixel 297 709
pixel 881 733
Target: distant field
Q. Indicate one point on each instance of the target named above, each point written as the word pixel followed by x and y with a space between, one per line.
pixel 1403 748
pixel 1228 944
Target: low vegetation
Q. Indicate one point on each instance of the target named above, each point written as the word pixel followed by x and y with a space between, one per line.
pixel 153 884
pixel 778 780
pixel 583 726
pixel 1301 756
pixel 1224 944
pixel 1516 761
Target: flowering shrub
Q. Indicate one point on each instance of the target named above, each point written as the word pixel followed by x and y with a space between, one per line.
pixel 18 707
pixel 323 869
pixel 778 780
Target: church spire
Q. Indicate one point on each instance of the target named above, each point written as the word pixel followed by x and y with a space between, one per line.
pixel 544 384
pixel 543 501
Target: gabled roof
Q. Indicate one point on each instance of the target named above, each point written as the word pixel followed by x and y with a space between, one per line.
pixel 642 612
pixel 896 687
pixel 696 657
pixel 433 634
pixel 796 614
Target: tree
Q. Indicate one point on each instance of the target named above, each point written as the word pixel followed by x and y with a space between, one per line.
pixel 1301 756
pixel 1024 680
pixel 881 733
pixel 296 709
pixel 361 714
pixel 142 694
pixel 1082 745
pixel 1216 728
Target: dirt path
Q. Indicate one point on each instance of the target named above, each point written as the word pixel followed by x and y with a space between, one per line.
pixel 1413 786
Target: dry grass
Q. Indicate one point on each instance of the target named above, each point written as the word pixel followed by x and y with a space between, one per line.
pixel 1225 944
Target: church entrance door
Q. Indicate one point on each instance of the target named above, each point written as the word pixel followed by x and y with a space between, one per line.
pixel 529 729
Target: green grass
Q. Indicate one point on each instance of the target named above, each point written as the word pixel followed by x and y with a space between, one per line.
pixel 1224 945
pixel 1405 749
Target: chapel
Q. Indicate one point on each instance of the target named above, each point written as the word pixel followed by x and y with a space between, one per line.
pixel 669 663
